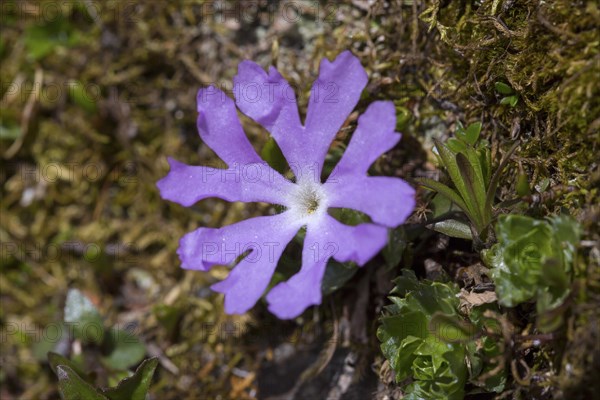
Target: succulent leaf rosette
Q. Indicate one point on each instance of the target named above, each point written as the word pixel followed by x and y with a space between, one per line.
pixel 269 100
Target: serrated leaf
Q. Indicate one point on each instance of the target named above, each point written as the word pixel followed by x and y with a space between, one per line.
pixel 503 88
pixel 437 368
pixel 136 386
pixel 72 387
pixel 472 133
pixel 125 350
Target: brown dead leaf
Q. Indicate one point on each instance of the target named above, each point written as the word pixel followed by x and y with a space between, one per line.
pixel 469 300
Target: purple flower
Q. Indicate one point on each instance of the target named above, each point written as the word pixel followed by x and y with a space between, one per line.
pixel 269 100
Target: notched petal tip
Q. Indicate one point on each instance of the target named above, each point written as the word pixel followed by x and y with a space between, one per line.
pixel 171 186
pixel 190 251
pixel 210 97
pixel 346 61
pixel 258 94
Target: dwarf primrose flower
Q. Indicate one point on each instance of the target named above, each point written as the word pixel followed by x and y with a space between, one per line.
pixel 269 100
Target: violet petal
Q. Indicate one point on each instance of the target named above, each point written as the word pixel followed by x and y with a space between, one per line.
pixel 388 201
pixel 185 184
pixel 205 247
pixel 374 135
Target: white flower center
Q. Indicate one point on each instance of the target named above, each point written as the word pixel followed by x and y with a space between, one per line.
pixel 308 201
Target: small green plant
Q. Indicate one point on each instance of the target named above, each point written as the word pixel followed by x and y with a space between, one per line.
pixel 509 96
pixel 428 342
pixel 467 161
pixel 533 260
pixel 75 384
pixel 117 350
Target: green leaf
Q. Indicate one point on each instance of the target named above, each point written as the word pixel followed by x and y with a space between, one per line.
pixel 41 39
pixel 125 350
pixel 410 338
pixel 456 145
pixel 84 96
pixel 9 132
pixel 444 190
pixel 168 316
pixel 472 133
pixel 483 355
pixel 84 318
pixel 491 190
pixel 272 154
pixel 403 116
pixel 336 275
pixel 543 185
pixel 55 359
pixel 396 245
pixel 451 328
pixel 72 387
pixel 531 260
pixel 522 186
pixel 503 88
pixel 453 228
pixel 137 386
pixel 510 100
pixel 485 161
pixel 348 216
pixel 449 161
pixel 475 191
pixel 474 159
pixel 49 341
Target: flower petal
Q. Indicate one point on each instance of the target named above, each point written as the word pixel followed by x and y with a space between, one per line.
pixel 205 247
pixel 357 243
pixel 269 100
pixel 388 201
pixel 186 184
pixel 289 299
pixel 220 128
pixel 332 98
pixel 374 135
pixel 249 279
pixel 329 238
